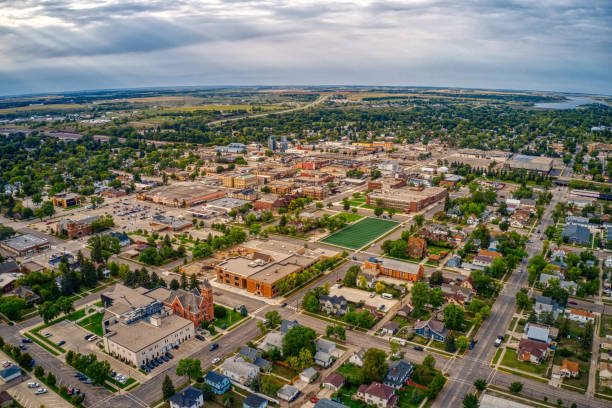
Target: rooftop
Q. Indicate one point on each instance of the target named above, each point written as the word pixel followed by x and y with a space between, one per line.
pixel 25 242
pixel 139 335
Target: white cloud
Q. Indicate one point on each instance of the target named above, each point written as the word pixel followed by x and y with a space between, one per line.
pixel 57 45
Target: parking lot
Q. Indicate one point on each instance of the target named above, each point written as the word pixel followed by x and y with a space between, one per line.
pixel 26 397
pixel 357 295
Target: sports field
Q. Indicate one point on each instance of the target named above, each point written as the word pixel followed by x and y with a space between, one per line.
pixel 357 235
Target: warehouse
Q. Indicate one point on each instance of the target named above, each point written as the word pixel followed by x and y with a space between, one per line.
pixel 24 244
pixel 407 200
pixel 532 163
pixel 182 195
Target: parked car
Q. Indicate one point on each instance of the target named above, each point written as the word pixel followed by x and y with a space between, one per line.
pixel 40 391
pixel 21 346
pixel 26 340
pixel 47 335
pixel 33 385
pixel 284 304
pixel 200 337
pixel 314 400
pixel 418 348
pixel 571 302
pixel 61 343
pixel 170 356
pixel 165 358
pixel 216 360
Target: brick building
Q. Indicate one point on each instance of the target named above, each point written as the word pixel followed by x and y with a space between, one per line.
pixel 407 200
pixel 66 199
pixel 393 268
pixel 75 229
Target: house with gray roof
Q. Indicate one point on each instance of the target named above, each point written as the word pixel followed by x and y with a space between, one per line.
pixel 398 373
pixel 189 397
pixel 239 370
pixel 546 304
pixel 576 234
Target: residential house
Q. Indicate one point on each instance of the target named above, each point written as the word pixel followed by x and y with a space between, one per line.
pixel 263 364
pixel 271 341
pixel 26 293
pixel 389 328
pixel 576 234
pixel 416 247
pixel 323 355
pixel 378 394
pixel 538 333
pixel 287 325
pixel 367 280
pixel 482 261
pixel 333 305
pixel 454 262
pixel 124 239
pixel 333 382
pixel 546 304
pixel 579 315
pixel 308 375
pixel 249 354
pixel 473 220
pixel 288 392
pixel 219 383
pixel 189 397
pixel 532 351
pixel 357 358
pixel 239 370
pixel 605 371
pixel 398 373
pixel 569 368
pixel 457 294
pixel 404 311
pixel 254 401
pixel 431 328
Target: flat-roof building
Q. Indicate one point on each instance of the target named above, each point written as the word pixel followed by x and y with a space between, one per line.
pixel 226 204
pixel 182 195
pixel 407 199
pixel 532 163
pixel 24 244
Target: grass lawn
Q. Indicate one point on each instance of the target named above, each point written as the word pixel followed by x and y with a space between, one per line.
pixel 349 217
pixel 349 371
pixel 582 381
pixel 510 360
pixel 357 235
pixel 231 317
pixel 93 323
pixel 496 356
pixel 437 249
pixel 76 315
pixel 406 397
pixel 283 371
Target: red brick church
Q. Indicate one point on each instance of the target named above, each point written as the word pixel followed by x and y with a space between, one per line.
pixel 195 305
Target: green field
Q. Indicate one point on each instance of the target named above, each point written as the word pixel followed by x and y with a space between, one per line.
pixel 357 235
pixel 349 217
pixel 93 323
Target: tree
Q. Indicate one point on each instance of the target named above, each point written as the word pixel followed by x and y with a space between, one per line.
pixel 462 342
pixel 65 305
pixel 51 380
pixel 504 226
pixel 480 384
pixel 449 344
pixel 430 362
pixel 522 300
pixel 39 372
pixel 12 307
pixel 298 338
pixel 189 367
pixel 374 366
pixel 395 347
pixel 378 211
pixel 420 296
pixel 183 281
pixel 436 297
pixel 274 318
pixel 454 317
pixel 168 387
pixel 174 284
pixel 48 311
pixel 516 387
pixel 587 337
pixel 470 401
pixel 419 219
pixel 436 278
pixel 207 392
pixel 350 278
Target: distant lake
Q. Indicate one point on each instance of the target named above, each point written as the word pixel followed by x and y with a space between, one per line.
pixel 573 103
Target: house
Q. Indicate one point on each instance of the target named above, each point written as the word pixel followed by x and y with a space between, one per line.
pixel 578 315
pixel 189 397
pixel 254 401
pixel 404 311
pixel 263 364
pixel 454 262
pixel 576 234
pixel 605 371
pixel 357 358
pixel 124 239
pixel 569 368
pixel 465 293
pixel 538 333
pixel 431 328
pixel 10 373
pixel 308 375
pixel 398 373
pixel 367 280
pixel 416 247
pixel 219 383
pixel 26 293
pixel 287 325
pixel 483 261
pixel 249 353
pixel 546 304
pixel 323 356
pixel 390 328
pixel 378 394
pixel 271 341
pixel 333 305
pixel 532 351
pixel 288 392
pixel 333 382
pixel 473 220
pixel 325 403
pixel 239 370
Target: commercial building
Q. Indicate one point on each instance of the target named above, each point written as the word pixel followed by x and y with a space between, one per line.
pixel 393 268
pixel 226 204
pixel 407 199
pixel 386 183
pixel 532 163
pixel 75 229
pixel 231 148
pixel 163 223
pixel 316 192
pixel 66 199
pixel 138 327
pixel 182 195
pixel 24 244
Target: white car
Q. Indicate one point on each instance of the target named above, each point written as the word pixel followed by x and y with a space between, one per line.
pixel 33 385
pixel 40 391
pixel 216 360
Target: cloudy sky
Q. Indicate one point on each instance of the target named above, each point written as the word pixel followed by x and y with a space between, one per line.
pixel 60 45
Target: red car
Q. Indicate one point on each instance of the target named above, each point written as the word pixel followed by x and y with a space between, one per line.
pixel 339 280
pixel 314 400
